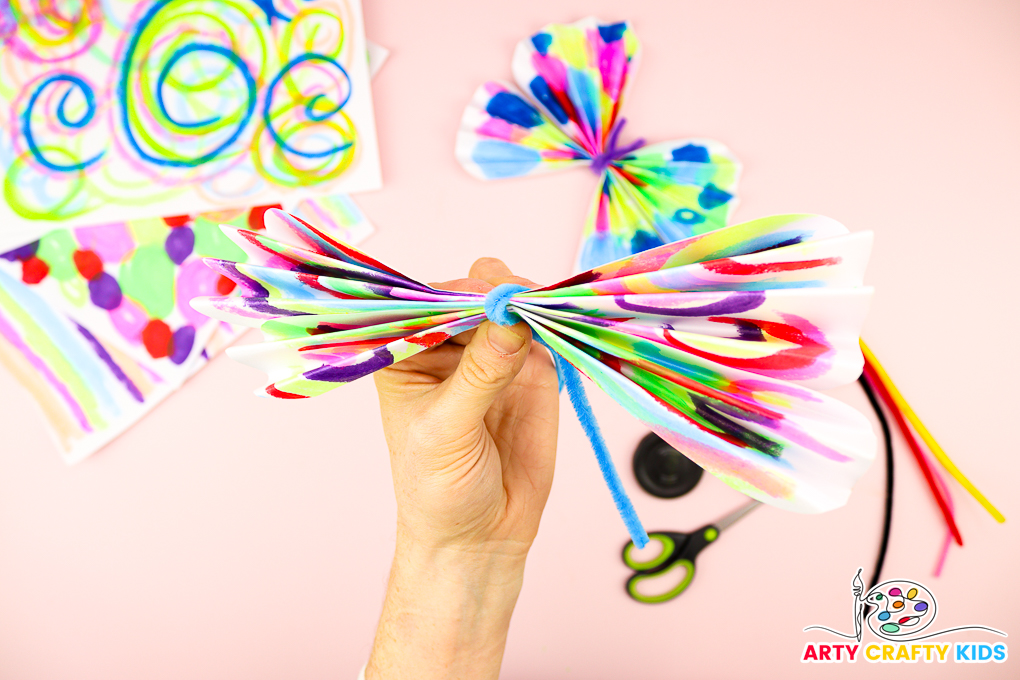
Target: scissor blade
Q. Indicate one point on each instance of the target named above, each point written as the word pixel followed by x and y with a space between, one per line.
pixel 735 515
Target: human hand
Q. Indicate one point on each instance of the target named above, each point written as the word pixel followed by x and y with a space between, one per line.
pixel 471 427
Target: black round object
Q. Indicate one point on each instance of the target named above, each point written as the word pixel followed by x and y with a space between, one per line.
pixel 663 471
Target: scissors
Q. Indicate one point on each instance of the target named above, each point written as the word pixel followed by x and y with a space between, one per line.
pixel 678 550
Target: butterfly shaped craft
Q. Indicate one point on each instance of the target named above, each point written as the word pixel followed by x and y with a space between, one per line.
pixel 716 342
pixel 565 114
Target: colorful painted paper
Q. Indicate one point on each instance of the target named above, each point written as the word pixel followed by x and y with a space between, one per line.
pixel 717 342
pixel 96 323
pixel 113 110
pixel 565 113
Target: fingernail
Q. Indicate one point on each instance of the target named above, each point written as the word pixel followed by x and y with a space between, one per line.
pixel 504 340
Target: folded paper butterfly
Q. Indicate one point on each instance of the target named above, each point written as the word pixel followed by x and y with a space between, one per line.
pixel 716 342
pixel 572 79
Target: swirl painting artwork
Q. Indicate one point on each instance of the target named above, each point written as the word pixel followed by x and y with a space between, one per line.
pixel 115 109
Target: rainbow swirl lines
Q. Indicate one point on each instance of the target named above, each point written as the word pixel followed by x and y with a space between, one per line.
pixel 221 103
pixel 46 31
pixel 85 90
pixel 186 93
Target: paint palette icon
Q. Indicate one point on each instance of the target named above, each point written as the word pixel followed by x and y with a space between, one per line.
pixel 901 608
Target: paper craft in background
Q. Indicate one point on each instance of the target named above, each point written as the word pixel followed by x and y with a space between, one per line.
pixel 566 114
pixel 716 342
pixel 118 109
pixel 572 79
pixel 96 323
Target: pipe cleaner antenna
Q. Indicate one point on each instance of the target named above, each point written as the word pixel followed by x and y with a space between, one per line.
pixel 899 404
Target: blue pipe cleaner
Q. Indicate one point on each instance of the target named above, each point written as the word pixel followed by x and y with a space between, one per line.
pixel 496 302
pixel 579 400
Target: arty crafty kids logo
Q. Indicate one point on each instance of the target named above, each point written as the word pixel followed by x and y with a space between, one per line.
pixel 901 613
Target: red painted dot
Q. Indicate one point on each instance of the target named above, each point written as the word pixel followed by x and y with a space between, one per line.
pixel 88 263
pixel 430 339
pixel 224 285
pixel 177 220
pixel 257 216
pixel 158 339
pixel 34 270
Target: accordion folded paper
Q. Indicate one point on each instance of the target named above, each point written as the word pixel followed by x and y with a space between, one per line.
pixel 716 342
pixel 572 79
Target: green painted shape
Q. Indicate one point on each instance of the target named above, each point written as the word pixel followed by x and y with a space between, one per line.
pixel 75 290
pixel 210 241
pixel 148 230
pixel 148 278
pixel 725 174
pixel 711 534
pixel 56 249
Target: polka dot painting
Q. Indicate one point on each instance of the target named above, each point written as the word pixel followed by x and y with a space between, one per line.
pixel 97 321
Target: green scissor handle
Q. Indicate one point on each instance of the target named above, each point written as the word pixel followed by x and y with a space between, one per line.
pixel 634 581
pixel 668 547
pixel 678 552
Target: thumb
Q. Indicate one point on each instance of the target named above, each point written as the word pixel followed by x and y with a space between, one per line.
pixel 489 363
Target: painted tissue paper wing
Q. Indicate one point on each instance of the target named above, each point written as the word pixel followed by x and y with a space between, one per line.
pixel 717 342
pixel 565 112
pixel 119 110
pixel 96 323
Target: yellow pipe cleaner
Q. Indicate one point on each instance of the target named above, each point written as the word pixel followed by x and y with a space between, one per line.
pixel 933 445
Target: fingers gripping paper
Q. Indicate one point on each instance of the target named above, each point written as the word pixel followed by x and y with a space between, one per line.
pixel 716 342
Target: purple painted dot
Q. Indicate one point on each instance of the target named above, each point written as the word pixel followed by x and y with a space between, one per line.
pixel 184 340
pixel 105 291
pixel 179 244
pixel 895 592
pixel 921 606
pixel 22 253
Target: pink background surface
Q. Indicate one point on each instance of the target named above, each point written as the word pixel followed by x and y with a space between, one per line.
pixel 231 537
